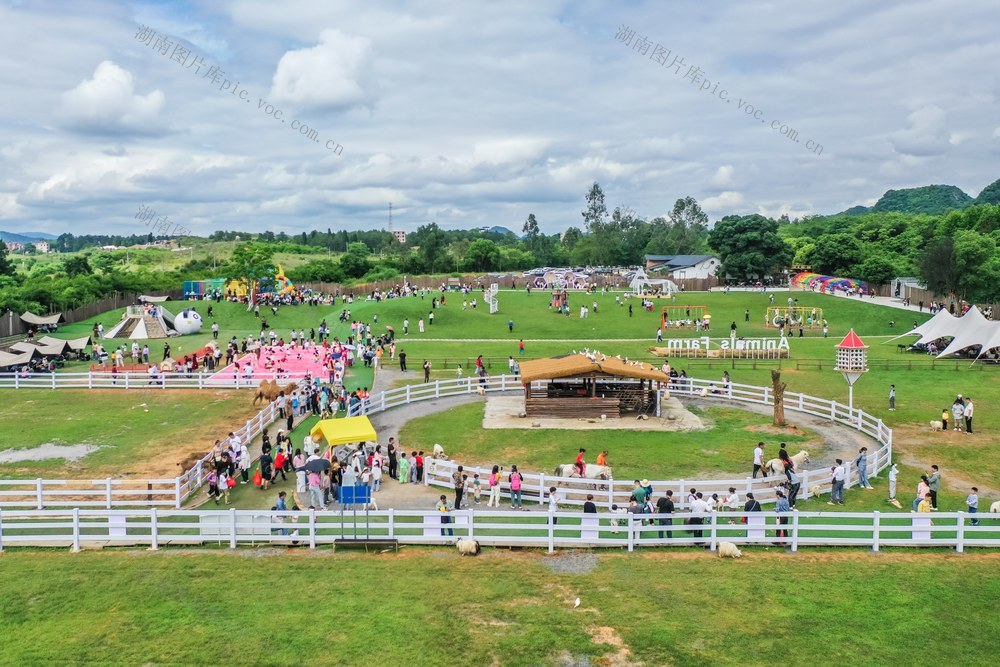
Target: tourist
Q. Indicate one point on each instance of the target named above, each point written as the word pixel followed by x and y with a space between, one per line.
pixel 589 507
pixel 553 503
pixel 477 488
pixel 924 506
pixel 494 482
pixel 413 469
pixel 958 412
pixel 298 463
pixel 393 461
pixel 972 502
pixel 782 507
pixel 944 419
pixel 213 485
pixel 402 361
pixel 404 469
pixel 580 464
pixel 967 413
pixel 244 459
pixel 223 487
pixel 892 397
pixel 281 506
pixel 758 459
pixel 922 490
pixel 861 463
pixel 444 508
pixel 794 484
pixel 698 506
pixel 837 476
pixel 515 479
pixel 602 458
pixel 934 484
pixel 279 465
pixel 420 325
pixel 419 464
pixel 315 489
pixel 893 474
pixel 665 505
pixel 427 371
pixel 733 501
pixel 376 473
pixel 459 480
pixel 265 469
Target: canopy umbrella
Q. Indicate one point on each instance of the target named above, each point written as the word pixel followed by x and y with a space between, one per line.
pixel 317 465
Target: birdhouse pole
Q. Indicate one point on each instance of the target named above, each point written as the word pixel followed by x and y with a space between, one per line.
pixel 852 362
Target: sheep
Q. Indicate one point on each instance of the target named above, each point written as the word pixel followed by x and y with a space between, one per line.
pixel 937 425
pixel 468 547
pixel 995 508
pixel 439 451
pixel 729 550
pixel 816 490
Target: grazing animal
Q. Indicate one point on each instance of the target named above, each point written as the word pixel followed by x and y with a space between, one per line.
pixel 776 467
pixel 594 471
pixel 267 391
pixel 816 490
pixel 480 390
pixel 937 425
pixel 468 547
pixel 190 461
pixel 729 550
pixel 995 508
pixel 439 451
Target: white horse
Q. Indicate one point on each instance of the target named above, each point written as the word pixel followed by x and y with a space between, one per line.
pixel 593 471
pixel 775 467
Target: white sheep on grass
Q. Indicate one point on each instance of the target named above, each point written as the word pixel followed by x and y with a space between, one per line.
pixel 468 547
pixel 729 550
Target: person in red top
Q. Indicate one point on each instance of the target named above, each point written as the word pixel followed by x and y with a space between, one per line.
pixel 279 466
pixel 580 464
pixel 420 467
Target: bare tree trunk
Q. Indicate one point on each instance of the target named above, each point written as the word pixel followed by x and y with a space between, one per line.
pixel 779 398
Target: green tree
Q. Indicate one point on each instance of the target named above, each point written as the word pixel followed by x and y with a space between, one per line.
pixel 749 247
pixel 253 262
pixel 973 252
pixel 77 266
pixel 6 267
pixel 431 240
pixel 482 255
pixel 877 270
pixel 355 262
pixel 836 254
pixel 937 266
pixel 571 237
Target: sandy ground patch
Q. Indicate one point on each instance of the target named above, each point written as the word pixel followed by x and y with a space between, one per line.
pixel 47 451
pixel 504 412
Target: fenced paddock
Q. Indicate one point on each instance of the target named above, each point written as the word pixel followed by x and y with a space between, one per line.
pixel 111 493
pixel 121 493
pixel 573 491
pixel 125 380
pixel 153 528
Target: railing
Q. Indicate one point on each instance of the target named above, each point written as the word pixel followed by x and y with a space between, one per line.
pixel 549 530
pixel 610 492
pixel 113 493
pixel 126 380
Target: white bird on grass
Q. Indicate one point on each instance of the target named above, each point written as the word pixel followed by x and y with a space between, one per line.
pixel 576 603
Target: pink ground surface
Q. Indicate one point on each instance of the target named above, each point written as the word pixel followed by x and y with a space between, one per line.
pixel 295 361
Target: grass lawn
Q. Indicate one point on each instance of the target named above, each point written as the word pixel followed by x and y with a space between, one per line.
pixel 721 450
pixel 139 433
pixel 662 608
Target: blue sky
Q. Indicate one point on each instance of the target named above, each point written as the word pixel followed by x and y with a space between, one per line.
pixel 480 113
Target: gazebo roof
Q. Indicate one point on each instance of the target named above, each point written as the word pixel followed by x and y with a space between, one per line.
pixel 575 365
pixel 851 342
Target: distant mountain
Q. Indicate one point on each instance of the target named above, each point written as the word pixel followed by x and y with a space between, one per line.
pixel 26 237
pixel 990 194
pixel 496 229
pixel 856 210
pixel 929 199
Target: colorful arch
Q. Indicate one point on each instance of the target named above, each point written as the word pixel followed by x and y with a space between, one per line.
pixel 811 281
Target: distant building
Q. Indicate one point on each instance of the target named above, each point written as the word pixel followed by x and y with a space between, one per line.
pixel 14 246
pixel 400 235
pixel 42 246
pixel 683 267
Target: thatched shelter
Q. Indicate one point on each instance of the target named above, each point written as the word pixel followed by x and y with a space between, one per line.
pixel 591 385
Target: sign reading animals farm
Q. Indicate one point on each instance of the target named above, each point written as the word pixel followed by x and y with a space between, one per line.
pixel 704 343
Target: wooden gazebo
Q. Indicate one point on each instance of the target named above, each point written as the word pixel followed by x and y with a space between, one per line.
pixel 591 385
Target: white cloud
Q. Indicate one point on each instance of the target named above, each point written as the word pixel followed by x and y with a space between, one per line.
pixel 326 75
pixel 107 102
pixel 926 135
pixel 723 177
pixel 724 204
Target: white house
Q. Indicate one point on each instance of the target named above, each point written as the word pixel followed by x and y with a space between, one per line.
pixel 42 246
pixel 683 267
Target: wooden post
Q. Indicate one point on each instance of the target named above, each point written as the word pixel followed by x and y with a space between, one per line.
pixel 779 398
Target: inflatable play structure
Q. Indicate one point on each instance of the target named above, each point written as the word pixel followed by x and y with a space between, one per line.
pixel 818 283
pixel 241 289
pixel 149 320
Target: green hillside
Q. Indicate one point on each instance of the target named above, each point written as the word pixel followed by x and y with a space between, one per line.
pixel 929 199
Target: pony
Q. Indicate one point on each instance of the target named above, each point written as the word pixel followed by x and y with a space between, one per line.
pixel 775 467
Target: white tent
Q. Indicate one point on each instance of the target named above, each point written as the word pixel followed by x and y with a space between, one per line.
pixel 641 282
pixel 970 330
pixel 942 325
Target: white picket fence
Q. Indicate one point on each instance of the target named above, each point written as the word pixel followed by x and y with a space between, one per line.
pixel 154 528
pixel 607 493
pixel 126 380
pixel 112 493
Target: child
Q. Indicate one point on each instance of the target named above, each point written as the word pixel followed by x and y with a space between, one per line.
pixel 477 489
pixel 223 488
pixel 944 419
pixel 972 501
pixel 213 486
